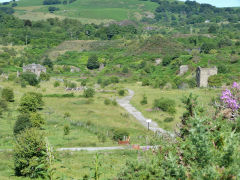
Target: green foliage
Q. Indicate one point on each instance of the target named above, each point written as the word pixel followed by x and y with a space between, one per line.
pixel 101 137
pixel 93 62
pixel 29 77
pixel 66 130
pixel 56 84
pixel 215 81
pixel 145 82
pixel 119 134
pixel 89 92
pixel 7 94
pixel 121 92
pixel 30 102
pixel 114 79
pixel 30 154
pixel 27 120
pixel 207 47
pixel 165 104
pixel 107 101
pixel 144 100
pixel 168 119
pixel 44 76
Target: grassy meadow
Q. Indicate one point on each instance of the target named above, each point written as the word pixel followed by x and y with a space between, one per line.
pixel 87 10
pixel 204 97
pixel 75 165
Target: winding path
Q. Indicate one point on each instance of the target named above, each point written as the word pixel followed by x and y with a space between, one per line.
pixel 125 103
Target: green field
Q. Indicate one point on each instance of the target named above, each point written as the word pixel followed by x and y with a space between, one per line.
pixel 88 10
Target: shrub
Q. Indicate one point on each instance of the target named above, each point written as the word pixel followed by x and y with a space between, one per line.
pixel 93 62
pixel 125 70
pixel 66 130
pixel 145 82
pixel 215 81
pixel 114 79
pixel 107 101
pixel 56 84
pixel 30 154
pixel 22 122
pixel 3 104
pixel 114 102
pixel 30 102
pixel 29 77
pixel 166 105
pixel 72 85
pixel 84 82
pixel 101 137
pixel 89 92
pixel 51 9
pixel 44 76
pixel 121 92
pixel 168 119
pixel 7 94
pixel 36 120
pixel 23 83
pixel 119 134
pixel 222 69
pixel 144 100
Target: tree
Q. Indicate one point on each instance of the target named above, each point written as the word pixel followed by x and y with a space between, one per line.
pixel 30 102
pixel 31 156
pixel 93 62
pixel 7 94
pixel 212 29
pixel 89 92
pixel 29 77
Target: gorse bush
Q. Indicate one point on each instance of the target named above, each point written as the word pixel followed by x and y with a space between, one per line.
pixel 30 154
pixel 30 102
pixel 7 94
pixel 29 77
pixel 56 84
pixel 166 105
pixel 89 92
pixel 119 134
pixel 93 62
pixel 144 100
pixel 121 92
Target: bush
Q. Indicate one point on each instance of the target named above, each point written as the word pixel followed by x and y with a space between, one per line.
pixel 145 82
pixel 114 79
pixel 121 92
pixel 89 92
pixel 29 77
pixel 30 154
pixel 168 119
pixel 30 102
pixel 22 122
pixel 114 102
pixel 7 94
pixel 125 70
pixel 51 9
pixel 215 81
pixel 44 76
pixel 84 82
pixel 222 69
pixel 93 62
pixel 144 100
pixel 56 84
pixel 166 105
pixel 119 134
pixel 101 137
pixel 107 101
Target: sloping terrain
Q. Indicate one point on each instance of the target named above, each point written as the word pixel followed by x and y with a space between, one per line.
pixel 87 10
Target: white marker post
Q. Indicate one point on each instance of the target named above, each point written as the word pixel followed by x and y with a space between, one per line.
pixel 148 121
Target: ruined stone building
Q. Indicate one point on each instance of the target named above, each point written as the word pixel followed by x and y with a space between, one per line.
pixel 183 69
pixel 202 75
pixel 34 68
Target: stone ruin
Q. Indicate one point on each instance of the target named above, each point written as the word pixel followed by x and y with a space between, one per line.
pixel 158 61
pixel 101 67
pixel 74 69
pixel 202 75
pixel 183 69
pixel 34 68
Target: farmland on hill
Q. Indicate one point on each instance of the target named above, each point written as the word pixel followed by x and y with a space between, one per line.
pixel 87 11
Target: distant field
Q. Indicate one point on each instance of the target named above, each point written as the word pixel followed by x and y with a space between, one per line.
pixel 97 11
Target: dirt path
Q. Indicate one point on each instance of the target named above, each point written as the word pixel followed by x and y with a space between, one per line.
pixel 125 103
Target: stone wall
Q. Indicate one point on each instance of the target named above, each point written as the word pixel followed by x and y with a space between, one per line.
pixel 202 75
pixel 183 69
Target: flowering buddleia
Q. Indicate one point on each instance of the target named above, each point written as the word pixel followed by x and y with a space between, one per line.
pixel 231 97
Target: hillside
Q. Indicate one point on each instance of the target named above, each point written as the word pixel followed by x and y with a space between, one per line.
pixel 87 11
